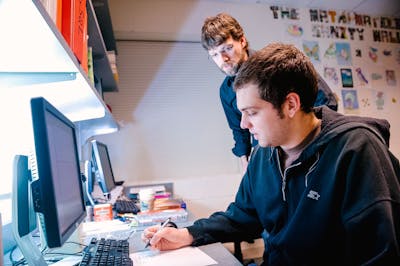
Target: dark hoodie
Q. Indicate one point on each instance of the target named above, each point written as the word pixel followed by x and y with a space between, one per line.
pixel 337 204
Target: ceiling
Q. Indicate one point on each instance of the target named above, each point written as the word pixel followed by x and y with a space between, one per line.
pixel 369 7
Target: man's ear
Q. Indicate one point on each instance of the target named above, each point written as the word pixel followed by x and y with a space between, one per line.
pixel 293 104
pixel 243 41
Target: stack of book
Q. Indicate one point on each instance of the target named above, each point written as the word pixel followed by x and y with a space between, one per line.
pixel 70 17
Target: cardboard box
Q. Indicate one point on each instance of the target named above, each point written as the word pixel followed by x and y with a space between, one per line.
pixel 102 212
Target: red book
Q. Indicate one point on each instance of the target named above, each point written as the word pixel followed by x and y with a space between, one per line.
pixel 79 41
pixel 74 29
pixel 67 20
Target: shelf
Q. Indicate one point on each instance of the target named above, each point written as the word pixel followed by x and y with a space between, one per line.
pixel 37 61
pixel 102 12
pixel 101 64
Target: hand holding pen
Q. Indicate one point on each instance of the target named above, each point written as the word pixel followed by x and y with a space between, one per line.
pixel 163 225
pixel 167 237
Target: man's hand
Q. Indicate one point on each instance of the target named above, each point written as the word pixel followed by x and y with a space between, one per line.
pixel 167 238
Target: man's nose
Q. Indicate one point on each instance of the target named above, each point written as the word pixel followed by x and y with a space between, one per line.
pixel 243 122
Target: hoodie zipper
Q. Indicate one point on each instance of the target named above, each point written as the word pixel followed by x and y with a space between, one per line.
pixel 283 176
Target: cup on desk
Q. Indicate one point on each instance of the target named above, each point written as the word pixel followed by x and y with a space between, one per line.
pixel 146 197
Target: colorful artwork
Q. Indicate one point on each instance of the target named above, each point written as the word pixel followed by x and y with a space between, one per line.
pixel 330 52
pixel 350 101
pixel 361 77
pixel 365 102
pixel 373 54
pixel 390 78
pixel 330 74
pixel 376 76
pixel 343 54
pixel 387 52
pixel 347 77
pixel 311 49
pixel 380 100
pixel 295 30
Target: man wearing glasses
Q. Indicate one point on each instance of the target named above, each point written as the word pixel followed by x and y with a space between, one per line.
pixel 224 40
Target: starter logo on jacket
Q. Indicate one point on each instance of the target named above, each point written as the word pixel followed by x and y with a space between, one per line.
pixel 313 195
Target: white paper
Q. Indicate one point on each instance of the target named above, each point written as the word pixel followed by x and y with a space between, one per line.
pixel 180 257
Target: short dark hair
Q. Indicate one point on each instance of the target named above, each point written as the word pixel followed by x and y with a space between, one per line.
pixel 277 70
pixel 217 29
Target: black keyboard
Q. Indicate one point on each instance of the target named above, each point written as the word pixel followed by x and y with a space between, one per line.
pixel 126 206
pixel 106 252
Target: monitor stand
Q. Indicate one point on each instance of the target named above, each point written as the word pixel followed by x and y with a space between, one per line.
pixel 22 210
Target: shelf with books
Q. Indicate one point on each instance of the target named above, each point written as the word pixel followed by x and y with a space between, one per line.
pixel 101 64
pixel 37 61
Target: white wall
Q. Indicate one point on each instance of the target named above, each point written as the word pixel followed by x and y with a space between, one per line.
pixel 162 136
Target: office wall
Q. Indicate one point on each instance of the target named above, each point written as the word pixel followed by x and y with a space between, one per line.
pixel 172 125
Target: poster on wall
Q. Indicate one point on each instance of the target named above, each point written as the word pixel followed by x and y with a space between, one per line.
pixel 390 78
pixel 350 101
pixel 311 49
pixel 347 77
pixel 343 54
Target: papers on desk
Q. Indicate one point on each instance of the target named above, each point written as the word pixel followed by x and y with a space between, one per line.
pixel 180 257
pixel 104 229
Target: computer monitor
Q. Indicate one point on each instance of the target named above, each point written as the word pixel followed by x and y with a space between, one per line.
pixel 101 164
pixel 57 191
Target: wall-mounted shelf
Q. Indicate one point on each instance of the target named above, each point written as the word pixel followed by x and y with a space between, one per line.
pixel 101 63
pixel 37 61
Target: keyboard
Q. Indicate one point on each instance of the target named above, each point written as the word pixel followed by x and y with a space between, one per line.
pixel 115 193
pixel 126 206
pixel 106 252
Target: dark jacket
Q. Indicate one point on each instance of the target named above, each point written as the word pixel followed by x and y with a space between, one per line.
pixel 337 204
pixel 242 137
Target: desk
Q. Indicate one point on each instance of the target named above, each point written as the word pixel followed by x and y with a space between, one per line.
pixel 216 251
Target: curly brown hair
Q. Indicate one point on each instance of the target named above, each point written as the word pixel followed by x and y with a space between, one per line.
pixel 217 29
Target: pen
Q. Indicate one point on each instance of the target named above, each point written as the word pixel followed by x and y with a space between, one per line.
pixel 164 224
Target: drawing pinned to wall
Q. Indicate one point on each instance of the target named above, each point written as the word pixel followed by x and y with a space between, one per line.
pixel 343 54
pixel 350 101
pixel 311 49
pixel 376 76
pixel 294 30
pixel 358 52
pixel 347 77
pixel 380 100
pixel 365 102
pixel 373 54
pixel 330 74
pixel 361 78
pixel 387 52
pixel 330 52
pixel 390 78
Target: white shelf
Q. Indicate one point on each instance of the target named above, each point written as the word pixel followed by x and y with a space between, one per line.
pixel 36 61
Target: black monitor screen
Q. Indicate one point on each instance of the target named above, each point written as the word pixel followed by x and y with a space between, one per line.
pixel 102 165
pixel 58 192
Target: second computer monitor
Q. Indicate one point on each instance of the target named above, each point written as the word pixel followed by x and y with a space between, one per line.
pixel 102 166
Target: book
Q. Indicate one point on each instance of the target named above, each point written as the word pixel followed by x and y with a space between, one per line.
pixel 90 65
pixel 67 21
pixel 79 39
pixel 74 26
pixel 54 9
